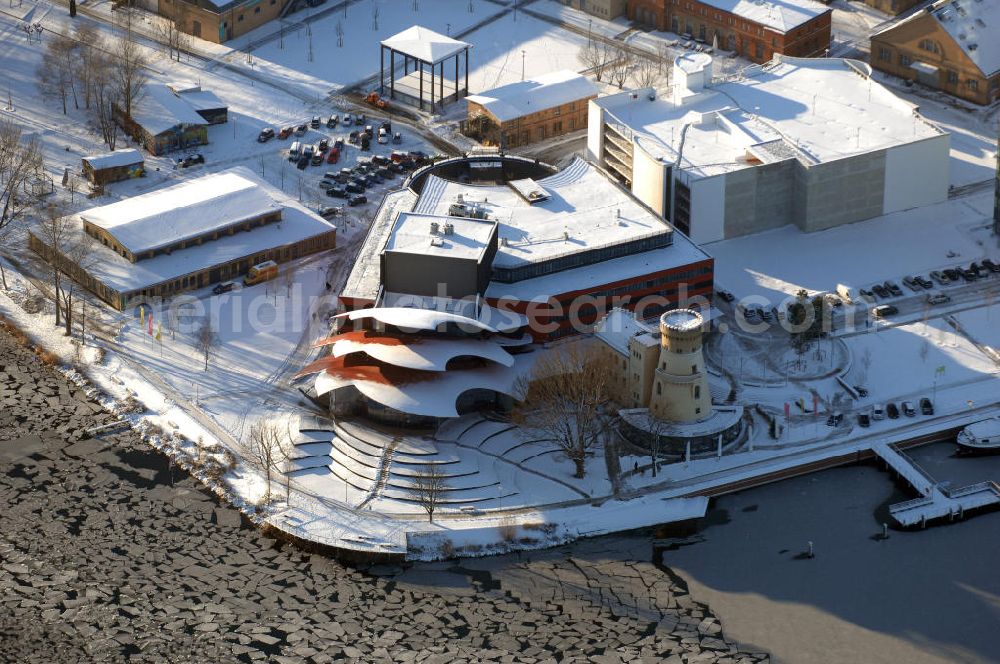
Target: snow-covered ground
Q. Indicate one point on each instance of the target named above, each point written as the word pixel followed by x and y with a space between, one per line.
pixel 776 264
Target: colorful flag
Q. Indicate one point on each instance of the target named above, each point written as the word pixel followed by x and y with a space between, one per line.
pixel 788 410
pixel 159 331
pixel 142 316
pixel 939 370
pixel 815 404
pixel 149 320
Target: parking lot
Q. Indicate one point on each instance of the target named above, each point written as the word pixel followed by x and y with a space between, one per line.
pixel 344 160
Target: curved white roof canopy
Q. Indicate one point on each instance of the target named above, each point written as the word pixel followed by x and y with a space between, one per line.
pixel 417 319
pixel 433 396
pixel 422 353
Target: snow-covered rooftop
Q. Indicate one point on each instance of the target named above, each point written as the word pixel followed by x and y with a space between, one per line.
pixel 681 320
pixel 158 109
pixel 585 210
pixel 297 223
pixel 187 210
pixel 199 99
pixel 425 44
pixel 780 15
pixel 975 27
pixel 469 238
pixel 125 157
pixel 620 325
pixel 815 110
pixel 524 97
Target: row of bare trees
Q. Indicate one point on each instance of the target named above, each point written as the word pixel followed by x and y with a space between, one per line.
pixel 20 163
pixel 84 69
pixel 618 64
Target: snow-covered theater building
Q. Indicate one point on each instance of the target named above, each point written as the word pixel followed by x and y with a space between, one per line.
pixel 498 234
pixel 815 142
pixel 408 366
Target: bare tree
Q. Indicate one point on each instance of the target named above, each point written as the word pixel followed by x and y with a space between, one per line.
pixel 646 72
pixel 169 32
pixel 206 340
pixel 56 71
pixel 620 66
pixel 55 234
pixel 90 47
pixel 128 63
pixel 339 31
pixel 428 486
pixel 566 398
pixel 105 98
pixel 264 451
pixel 375 13
pixel 20 162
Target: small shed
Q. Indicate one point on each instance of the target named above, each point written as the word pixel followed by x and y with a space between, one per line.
pixel 113 166
pixel 205 102
pixel 163 122
pixel 421 49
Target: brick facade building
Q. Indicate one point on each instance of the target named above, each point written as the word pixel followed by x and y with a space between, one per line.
pixel 526 112
pixel 755 31
pixel 953 47
pixel 220 22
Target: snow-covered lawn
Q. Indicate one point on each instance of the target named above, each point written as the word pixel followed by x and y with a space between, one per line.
pixel 333 67
pixel 775 264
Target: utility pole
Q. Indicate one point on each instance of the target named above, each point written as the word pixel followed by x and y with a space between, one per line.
pixel 522 63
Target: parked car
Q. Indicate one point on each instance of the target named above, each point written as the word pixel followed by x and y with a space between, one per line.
pixel 357 199
pixel 878 412
pixel 333 156
pixel 885 310
pixel 301 129
pixel 397 138
pixel 307 151
pixel 990 265
pixel 862 392
pixel 326 184
pixel 190 160
pixel 880 291
pixel 324 144
pixel 332 121
pixel 385 173
pixel 397 156
pixel 380 160
pixel 866 295
pixel 908 409
pixel 224 287
pixel 345 175
pixel 302 163
pixel 328 212
pixel 924 282
pixel 938 298
pixel 892 411
pixel 926 407
pixel 354 187
pixel 894 289
pixel 864 420
pixel 835 419
pixel 395 168
pixel 365 143
pixel 360 119
pixel 970 275
pixel 725 295
pixel 317 158
pixel 911 283
pixel 952 274
pixel 352 138
pixel 265 135
pixel 337 191
pixel 315 122
pixel 339 142
pixel 285 132
pixel 347 120
pixel 383 137
pixel 939 277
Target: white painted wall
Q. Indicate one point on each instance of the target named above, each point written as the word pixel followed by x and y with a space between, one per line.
pixel 649 181
pixel 595 132
pixel 916 174
pixel 708 209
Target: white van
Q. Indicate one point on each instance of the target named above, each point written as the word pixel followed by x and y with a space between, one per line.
pixel 878 412
pixel 293 151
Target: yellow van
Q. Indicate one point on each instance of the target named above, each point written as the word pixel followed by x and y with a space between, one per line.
pixel 260 273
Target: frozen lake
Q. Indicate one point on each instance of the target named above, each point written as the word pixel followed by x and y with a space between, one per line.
pixel 929 596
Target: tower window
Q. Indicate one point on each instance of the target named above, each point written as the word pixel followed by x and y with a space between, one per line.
pixel 697 391
pixel 659 388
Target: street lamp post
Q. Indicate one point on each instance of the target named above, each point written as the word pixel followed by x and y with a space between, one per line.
pixel 522 63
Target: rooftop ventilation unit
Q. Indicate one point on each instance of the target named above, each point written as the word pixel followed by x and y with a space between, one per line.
pixel 435 227
pixel 437 242
pixel 449 228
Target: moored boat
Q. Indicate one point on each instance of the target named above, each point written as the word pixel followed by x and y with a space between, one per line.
pixel 980 437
